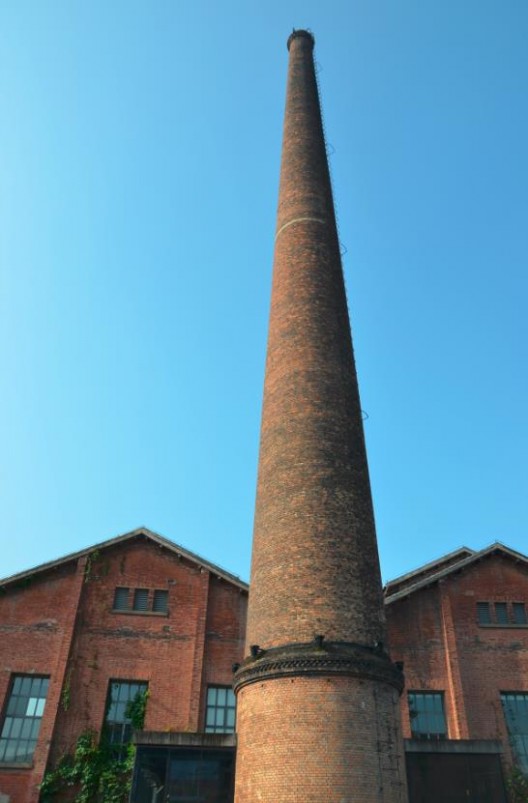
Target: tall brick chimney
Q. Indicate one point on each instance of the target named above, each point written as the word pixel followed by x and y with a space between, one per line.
pixel 317 696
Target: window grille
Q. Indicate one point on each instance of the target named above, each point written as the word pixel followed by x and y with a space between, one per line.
pixel 515 707
pixel 121 599
pixel 427 715
pixel 501 613
pixel 220 713
pixel 141 599
pixel 519 613
pixel 159 604
pixel 118 725
pixel 23 715
pixel 483 613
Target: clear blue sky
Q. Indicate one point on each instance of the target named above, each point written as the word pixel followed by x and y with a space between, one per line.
pixel 139 161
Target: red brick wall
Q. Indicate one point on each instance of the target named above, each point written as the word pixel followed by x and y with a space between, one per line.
pixel 415 637
pixel 225 635
pixel 177 654
pixel 436 633
pixel 340 741
pixel 36 626
pixel 166 651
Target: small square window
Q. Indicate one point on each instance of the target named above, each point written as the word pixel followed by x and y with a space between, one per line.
pixel 141 599
pixel 160 602
pixel 121 599
pixel 483 613
pixel 519 613
pixel 501 613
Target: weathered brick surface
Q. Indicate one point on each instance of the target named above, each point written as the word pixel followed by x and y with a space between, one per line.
pixel 225 633
pixel 85 645
pixel 436 633
pixel 334 740
pixel 36 628
pixel 315 570
pixel 315 563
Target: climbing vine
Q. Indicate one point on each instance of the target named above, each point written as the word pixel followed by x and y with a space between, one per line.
pixel 90 560
pixel 95 771
pixel 136 710
pixel 517 784
pixel 66 690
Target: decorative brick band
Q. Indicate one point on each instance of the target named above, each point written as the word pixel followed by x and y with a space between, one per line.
pixel 300 220
pixel 319 657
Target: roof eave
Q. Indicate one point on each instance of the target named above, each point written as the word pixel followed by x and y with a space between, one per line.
pixel 165 543
pixel 454 568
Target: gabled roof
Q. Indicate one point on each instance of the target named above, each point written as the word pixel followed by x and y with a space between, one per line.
pixel 140 533
pixel 410 578
pixel 449 564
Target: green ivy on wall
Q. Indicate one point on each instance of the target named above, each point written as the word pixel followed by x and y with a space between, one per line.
pixel 517 784
pixel 94 772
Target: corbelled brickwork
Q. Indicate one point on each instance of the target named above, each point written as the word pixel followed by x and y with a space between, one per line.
pixel 317 695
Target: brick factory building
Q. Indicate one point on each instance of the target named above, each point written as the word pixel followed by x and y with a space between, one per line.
pixel 84 636
pixel 460 627
pixel 80 636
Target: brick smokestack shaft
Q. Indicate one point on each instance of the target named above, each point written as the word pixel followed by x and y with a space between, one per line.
pixel 318 714
pixel 315 563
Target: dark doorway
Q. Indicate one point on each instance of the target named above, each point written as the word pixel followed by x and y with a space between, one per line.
pixel 455 778
pixel 182 775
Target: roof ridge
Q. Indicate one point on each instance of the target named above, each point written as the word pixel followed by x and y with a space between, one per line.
pixel 429 565
pixel 453 567
pixel 119 539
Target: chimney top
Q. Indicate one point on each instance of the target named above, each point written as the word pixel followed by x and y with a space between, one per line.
pixel 300 34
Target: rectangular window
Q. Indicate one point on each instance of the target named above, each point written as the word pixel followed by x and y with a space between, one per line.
pixel 118 722
pixel 483 613
pixel 141 599
pixel 501 613
pixel 519 613
pixel 220 713
pixel 160 601
pixel 426 709
pixel 515 707
pixel 121 599
pixel 21 725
